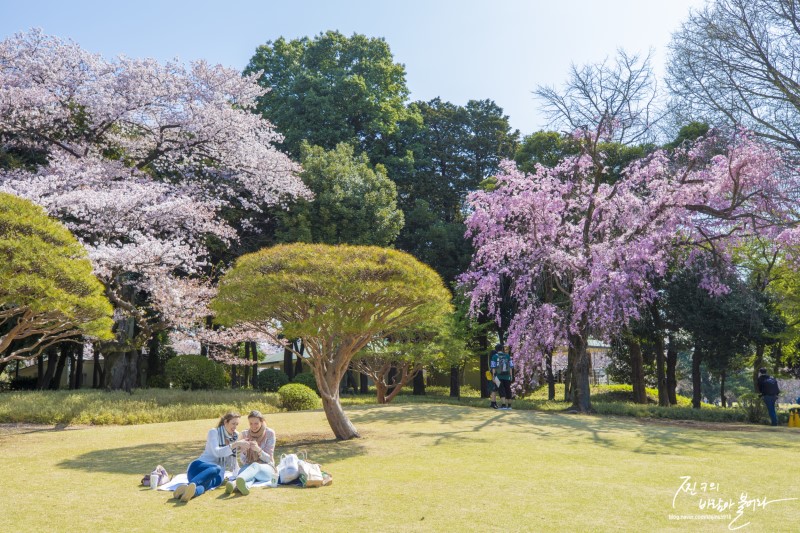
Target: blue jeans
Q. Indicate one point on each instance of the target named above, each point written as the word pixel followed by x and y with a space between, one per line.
pixel 205 475
pixel 769 400
pixel 256 472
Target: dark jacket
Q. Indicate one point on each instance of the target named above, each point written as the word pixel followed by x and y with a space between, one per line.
pixel 768 386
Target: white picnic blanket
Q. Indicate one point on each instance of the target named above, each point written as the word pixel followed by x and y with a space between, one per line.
pixel 182 479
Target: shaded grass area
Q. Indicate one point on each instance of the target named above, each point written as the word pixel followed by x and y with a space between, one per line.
pixel 419 467
pixel 144 406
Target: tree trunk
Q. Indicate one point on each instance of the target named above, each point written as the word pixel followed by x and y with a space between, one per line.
pixel 55 383
pixel 551 381
pixel 455 386
pixel 328 384
pixel 234 377
pixel 97 374
pixel 71 374
pixel 723 400
pixel 122 369
pixel 658 345
pixel 39 370
pixel 153 366
pixel 208 325
pixel 246 368
pixel 288 362
pixel 697 357
pixel 581 400
pixel 758 362
pixel 380 392
pixel 254 353
pixel 391 380
pixel 483 362
pixel 483 365
pixel 300 348
pixel 340 424
pixel 637 369
pixel 672 363
pixel 568 374
pixel 364 383
pixel 52 359
pixel 419 383
pixel 79 367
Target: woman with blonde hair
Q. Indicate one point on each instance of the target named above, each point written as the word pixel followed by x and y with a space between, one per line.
pixel 256 456
pixel 208 470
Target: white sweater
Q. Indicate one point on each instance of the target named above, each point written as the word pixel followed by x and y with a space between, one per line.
pixel 221 455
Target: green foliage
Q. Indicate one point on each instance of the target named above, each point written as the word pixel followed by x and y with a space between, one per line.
pixel 307 379
pixel 689 132
pixel 46 279
pixel 336 290
pixel 193 372
pixel 455 148
pixel 333 89
pixel 353 204
pixel 23 383
pixel 272 379
pixel 298 397
pixel 545 148
pixel 142 406
pixel 158 382
pixel 436 242
pixel 753 408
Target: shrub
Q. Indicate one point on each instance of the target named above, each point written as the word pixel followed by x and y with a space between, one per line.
pixel 753 406
pixel 272 379
pixel 195 372
pixel 23 383
pixel 307 379
pixel 298 397
pixel 158 382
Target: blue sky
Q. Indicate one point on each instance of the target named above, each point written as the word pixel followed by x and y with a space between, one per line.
pixel 458 50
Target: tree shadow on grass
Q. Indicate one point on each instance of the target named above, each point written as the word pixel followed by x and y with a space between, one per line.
pixel 175 457
pixel 649 438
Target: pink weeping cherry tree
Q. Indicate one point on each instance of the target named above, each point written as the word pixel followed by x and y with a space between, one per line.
pixel 582 251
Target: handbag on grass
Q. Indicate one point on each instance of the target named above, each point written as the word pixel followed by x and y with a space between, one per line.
pixel 159 471
pixel 310 474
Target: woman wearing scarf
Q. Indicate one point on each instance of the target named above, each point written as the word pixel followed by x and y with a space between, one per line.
pixel 208 471
pixel 256 455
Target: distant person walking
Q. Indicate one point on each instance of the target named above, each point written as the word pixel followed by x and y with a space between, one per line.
pixel 769 391
pixel 501 365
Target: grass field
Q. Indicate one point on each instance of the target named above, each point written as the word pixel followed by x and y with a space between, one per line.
pixel 419 467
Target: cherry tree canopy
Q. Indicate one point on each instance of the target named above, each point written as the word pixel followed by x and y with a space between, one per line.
pixel 597 244
pixel 141 155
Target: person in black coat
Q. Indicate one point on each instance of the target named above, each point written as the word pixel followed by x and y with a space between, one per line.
pixel 769 391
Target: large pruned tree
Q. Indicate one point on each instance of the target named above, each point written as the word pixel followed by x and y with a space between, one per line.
pixel 336 298
pixel 48 293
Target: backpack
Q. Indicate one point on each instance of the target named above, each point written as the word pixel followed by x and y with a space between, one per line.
pixel 504 364
pixel 770 387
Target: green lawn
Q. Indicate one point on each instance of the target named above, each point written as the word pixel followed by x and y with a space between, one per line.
pixel 419 467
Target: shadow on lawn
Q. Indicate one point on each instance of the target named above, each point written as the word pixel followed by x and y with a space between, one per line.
pixel 649 437
pixel 176 457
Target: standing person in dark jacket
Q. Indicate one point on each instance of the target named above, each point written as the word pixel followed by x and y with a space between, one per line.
pixel 769 391
pixel 501 365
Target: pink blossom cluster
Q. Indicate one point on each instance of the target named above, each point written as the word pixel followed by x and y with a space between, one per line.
pixel 141 158
pixel 597 244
